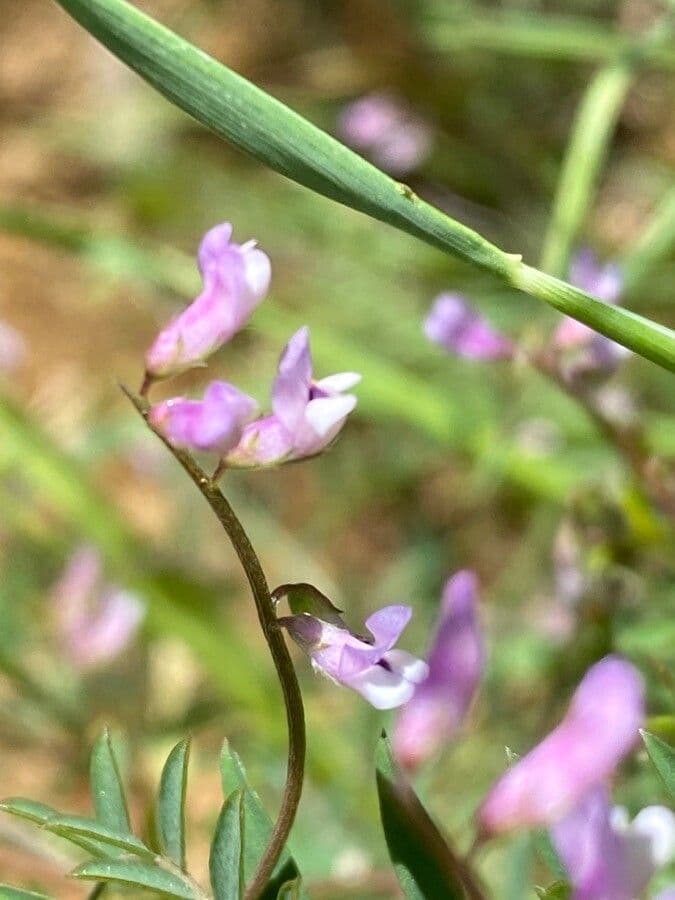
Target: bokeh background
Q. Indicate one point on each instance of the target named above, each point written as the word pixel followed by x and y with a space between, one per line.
pixel 105 192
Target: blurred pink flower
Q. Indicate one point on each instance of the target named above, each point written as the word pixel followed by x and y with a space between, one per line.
pixel 598 731
pixel 456 658
pixel 236 278
pixel 307 414
pixel 385 677
pixel 387 131
pixel 214 424
pixel 12 348
pixel 457 327
pixel 608 857
pixel 96 621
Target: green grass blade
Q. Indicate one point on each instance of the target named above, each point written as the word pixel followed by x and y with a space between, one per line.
pixel 170 815
pixel 107 789
pixel 591 135
pixel 656 243
pixel 424 864
pixel 537 36
pixel 663 757
pixel 226 860
pixel 260 125
pixel 267 129
pixel 136 874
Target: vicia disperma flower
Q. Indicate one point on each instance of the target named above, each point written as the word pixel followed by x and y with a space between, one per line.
pixel 307 414
pixel 456 658
pixel 384 676
pixel 607 856
pixel 236 278
pixel 598 731
pixel 214 424
pixel 96 621
pixel 455 325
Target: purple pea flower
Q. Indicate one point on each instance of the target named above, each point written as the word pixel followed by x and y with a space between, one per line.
pixel 384 676
pixel 599 729
pixel 307 414
pixel 607 856
pixel 440 703
pixel 387 131
pixel 236 278
pixel 455 325
pixel 213 425
pixel 96 621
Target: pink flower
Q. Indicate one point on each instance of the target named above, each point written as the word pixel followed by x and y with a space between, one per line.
pixel 598 731
pixel 96 621
pixel 607 856
pixel 307 414
pixel 436 711
pixel 387 131
pixel 384 676
pixel 457 327
pixel 236 278
pixel 214 424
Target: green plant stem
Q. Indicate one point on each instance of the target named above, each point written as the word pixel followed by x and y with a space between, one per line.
pixel 277 646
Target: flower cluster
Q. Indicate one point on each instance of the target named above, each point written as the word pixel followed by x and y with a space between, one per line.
pixel 581 353
pixel 306 414
pixel 563 782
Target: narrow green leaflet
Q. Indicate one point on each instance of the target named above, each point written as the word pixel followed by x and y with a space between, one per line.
pixel 39 814
pixel 106 786
pixel 290 890
pixel 425 866
pixel 226 860
pixel 170 812
pixel 260 125
pixel 137 874
pixel 77 827
pixel 663 757
pixel 258 826
pixel 11 893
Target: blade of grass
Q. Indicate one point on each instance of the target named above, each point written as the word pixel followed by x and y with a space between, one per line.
pixel 535 36
pixel 591 135
pixel 260 125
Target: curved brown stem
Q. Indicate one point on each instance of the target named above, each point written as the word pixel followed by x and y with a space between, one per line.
pixel 275 641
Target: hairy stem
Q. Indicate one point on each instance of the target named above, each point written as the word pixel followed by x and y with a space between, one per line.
pixel 275 641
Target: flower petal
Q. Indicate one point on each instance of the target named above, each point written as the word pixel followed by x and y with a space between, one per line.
pixel 324 413
pixel 381 688
pixel 338 383
pixel 290 393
